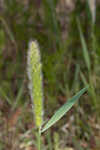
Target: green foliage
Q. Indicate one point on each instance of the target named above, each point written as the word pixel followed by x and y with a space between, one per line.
pixel 36 91
pixel 84 47
pixel 51 21
pixel 65 62
pixel 65 108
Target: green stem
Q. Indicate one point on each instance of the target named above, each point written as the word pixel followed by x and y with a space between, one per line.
pixel 39 139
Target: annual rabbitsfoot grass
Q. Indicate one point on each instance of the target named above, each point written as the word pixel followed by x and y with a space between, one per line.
pixel 34 70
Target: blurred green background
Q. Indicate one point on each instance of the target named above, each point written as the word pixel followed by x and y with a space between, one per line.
pixel 68 33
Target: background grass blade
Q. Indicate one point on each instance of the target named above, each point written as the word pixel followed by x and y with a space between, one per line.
pixel 84 47
pixel 18 98
pixel 3 94
pixel 60 113
pixel 51 21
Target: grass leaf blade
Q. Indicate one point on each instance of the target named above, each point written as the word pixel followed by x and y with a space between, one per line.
pixel 65 108
pixel 84 46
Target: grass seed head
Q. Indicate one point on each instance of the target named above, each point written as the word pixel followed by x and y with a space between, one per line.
pixel 34 70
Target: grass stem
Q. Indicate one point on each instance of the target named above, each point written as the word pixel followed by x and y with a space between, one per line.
pixel 39 139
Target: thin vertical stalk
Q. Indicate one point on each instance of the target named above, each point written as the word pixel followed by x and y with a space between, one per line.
pixel 39 139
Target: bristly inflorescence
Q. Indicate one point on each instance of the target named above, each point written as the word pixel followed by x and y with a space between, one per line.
pixel 34 70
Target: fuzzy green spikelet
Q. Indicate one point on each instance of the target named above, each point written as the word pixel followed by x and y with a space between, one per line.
pixel 34 70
